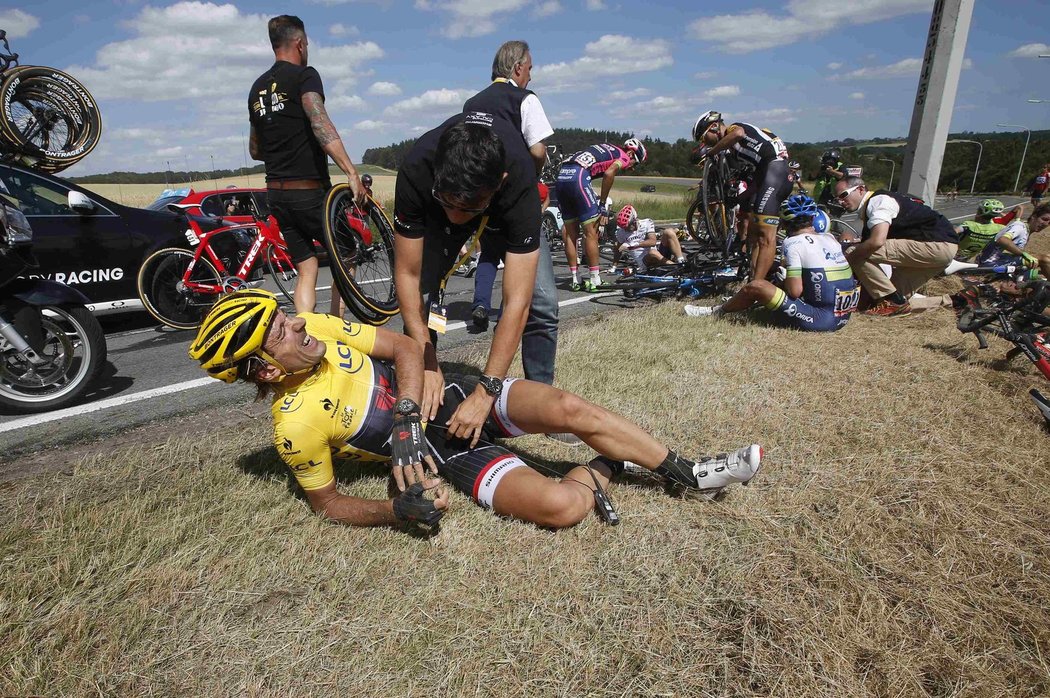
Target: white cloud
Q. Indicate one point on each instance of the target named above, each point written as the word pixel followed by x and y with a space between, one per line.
pixel 337 102
pixel 370 125
pixel 967 64
pixel 339 29
pixel 596 5
pixel 704 75
pixel 221 51
pixel 385 89
pixel 564 116
pixel 442 101
pixel 623 95
pixel 470 18
pixel 780 115
pixel 654 106
pixel 856 95
pixel 18 23
pixel 908 67
pixel 805 19
pixel 834 66
pixel 722 91
pixel 1029 51
pixel 611 54
pixel 546 9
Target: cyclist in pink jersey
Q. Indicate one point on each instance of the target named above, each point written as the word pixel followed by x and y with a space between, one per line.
pixel 579 205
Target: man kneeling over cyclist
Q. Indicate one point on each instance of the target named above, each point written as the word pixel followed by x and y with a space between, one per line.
pixel 343 390
pixel 639 239
pixel 819 291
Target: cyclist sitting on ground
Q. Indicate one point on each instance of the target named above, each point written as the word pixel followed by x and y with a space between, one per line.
pixel 819 291
pixel 1009 243
pixel 579 206
pixel 767 187
pixel 975 235
pixel 638 238
pixel 343 390
pixel 832 169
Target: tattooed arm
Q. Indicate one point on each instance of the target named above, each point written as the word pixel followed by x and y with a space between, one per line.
pixel 328 137
pixel 253 145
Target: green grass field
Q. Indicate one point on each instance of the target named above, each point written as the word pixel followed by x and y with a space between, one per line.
pixel 894 544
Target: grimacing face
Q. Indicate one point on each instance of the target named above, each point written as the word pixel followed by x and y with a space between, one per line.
pixel 288 342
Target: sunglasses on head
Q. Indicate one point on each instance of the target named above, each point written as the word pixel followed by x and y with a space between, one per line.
pixel 842 196
pixel 455 207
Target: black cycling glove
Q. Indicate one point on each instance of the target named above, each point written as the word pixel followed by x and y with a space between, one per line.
pixel 408 445
pixel 411 505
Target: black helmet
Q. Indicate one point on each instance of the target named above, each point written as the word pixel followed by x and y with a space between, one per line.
pixel 366 179
pixel 831 156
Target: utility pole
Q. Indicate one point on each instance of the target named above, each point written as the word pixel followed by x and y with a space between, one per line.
pixel 935 97
pixel 1028 138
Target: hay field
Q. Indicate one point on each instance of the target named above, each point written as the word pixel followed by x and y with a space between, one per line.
pixel 140 195
pixel 895 543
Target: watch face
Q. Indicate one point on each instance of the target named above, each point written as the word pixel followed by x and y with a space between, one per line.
pixel 406 406
pixel 493 386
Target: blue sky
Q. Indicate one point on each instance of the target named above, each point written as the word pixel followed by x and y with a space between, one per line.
pixel 172 78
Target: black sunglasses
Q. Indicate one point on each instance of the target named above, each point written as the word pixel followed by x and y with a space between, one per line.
pixel 455 207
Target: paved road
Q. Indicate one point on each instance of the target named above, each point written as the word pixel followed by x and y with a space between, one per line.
pixel 149 376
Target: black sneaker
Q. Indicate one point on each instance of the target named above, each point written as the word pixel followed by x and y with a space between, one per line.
pixel 480 317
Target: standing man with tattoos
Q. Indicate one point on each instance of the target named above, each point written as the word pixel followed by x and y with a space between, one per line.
pixel 292 134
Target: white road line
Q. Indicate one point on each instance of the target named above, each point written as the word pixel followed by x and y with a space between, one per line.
pixel 185 385
pixel 103 404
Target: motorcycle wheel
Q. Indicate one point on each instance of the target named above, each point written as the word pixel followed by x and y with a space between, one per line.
pixel 75 352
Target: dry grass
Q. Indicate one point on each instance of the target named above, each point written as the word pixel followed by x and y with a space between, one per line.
pixel 143 194
pixel 895 544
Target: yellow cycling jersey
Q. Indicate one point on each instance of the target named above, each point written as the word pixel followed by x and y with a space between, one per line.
pixel 344 410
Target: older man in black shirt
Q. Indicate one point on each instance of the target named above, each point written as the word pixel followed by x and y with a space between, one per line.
pixel 292 134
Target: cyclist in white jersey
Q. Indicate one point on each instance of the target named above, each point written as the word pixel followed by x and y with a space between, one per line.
pixel 819 291
pixel 638 238
pixel 1009 244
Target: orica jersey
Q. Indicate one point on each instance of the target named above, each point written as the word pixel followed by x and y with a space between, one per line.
pixel 345 409
pixel 817 259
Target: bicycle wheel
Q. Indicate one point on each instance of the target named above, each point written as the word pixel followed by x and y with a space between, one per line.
pixel 283 273
pixel 549 226
pixel 840 227
pixel 164 294
pixel 696 224
pixel 718 216
pixel 48 116
pixel 361 251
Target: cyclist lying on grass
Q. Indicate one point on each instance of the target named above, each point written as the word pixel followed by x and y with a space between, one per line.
pixel 819 291
pixel 343 390
pixel 639 239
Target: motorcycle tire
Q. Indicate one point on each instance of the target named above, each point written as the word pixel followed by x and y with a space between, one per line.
pixel 75 349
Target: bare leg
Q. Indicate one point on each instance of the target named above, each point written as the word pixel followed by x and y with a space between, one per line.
pixel 306 285
pixel 528 495
pixel 537 408
pixel 590 243
pixel 751 293
pixel 670 240
pixel 763 240
pixel 569 233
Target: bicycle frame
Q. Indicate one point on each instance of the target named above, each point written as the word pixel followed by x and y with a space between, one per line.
pixel 201 242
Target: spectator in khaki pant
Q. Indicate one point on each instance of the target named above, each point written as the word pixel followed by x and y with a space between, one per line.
pixel 912 238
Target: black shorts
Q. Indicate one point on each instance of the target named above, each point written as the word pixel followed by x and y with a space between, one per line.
pixel 768 188
pixel 300 213
pixel 474 472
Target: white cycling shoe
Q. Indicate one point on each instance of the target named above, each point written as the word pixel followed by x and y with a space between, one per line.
pixel 715 473
pixel 703 310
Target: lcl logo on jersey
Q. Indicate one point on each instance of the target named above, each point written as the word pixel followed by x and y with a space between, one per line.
pixel 290 403
pixel 346 358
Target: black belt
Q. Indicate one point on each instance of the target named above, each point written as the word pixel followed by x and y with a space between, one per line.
pixel 295 184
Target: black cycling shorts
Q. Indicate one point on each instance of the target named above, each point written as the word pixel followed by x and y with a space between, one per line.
pixel 767 189
pixel 300 214
pixel 474 472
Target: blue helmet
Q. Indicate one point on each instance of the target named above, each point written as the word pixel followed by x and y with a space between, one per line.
pixel 821 221
pixel 798 205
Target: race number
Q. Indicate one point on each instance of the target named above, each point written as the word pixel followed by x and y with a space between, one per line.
pixel 586 159
pixel 846 301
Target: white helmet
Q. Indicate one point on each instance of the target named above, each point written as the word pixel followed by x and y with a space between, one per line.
pixel 704 121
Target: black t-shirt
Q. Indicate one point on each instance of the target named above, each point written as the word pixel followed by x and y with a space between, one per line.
pixel 286 140
pixel 514 213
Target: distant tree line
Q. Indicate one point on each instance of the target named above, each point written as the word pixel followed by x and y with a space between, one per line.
pixel 999 161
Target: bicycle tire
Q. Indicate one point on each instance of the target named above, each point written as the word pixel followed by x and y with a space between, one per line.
pixel 159 289
pixel 696 225
pixel 284 279
pixel 549 226
pixel 839 226
pixel 717 216
pixel 361 269
pixel 72 124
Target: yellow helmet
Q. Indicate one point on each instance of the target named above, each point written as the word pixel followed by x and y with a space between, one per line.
pixel 233 330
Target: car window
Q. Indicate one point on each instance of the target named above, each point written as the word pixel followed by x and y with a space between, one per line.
pixel 212 206
pixel 37 196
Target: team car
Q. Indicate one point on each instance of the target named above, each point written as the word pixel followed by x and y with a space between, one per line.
pixel 87 241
